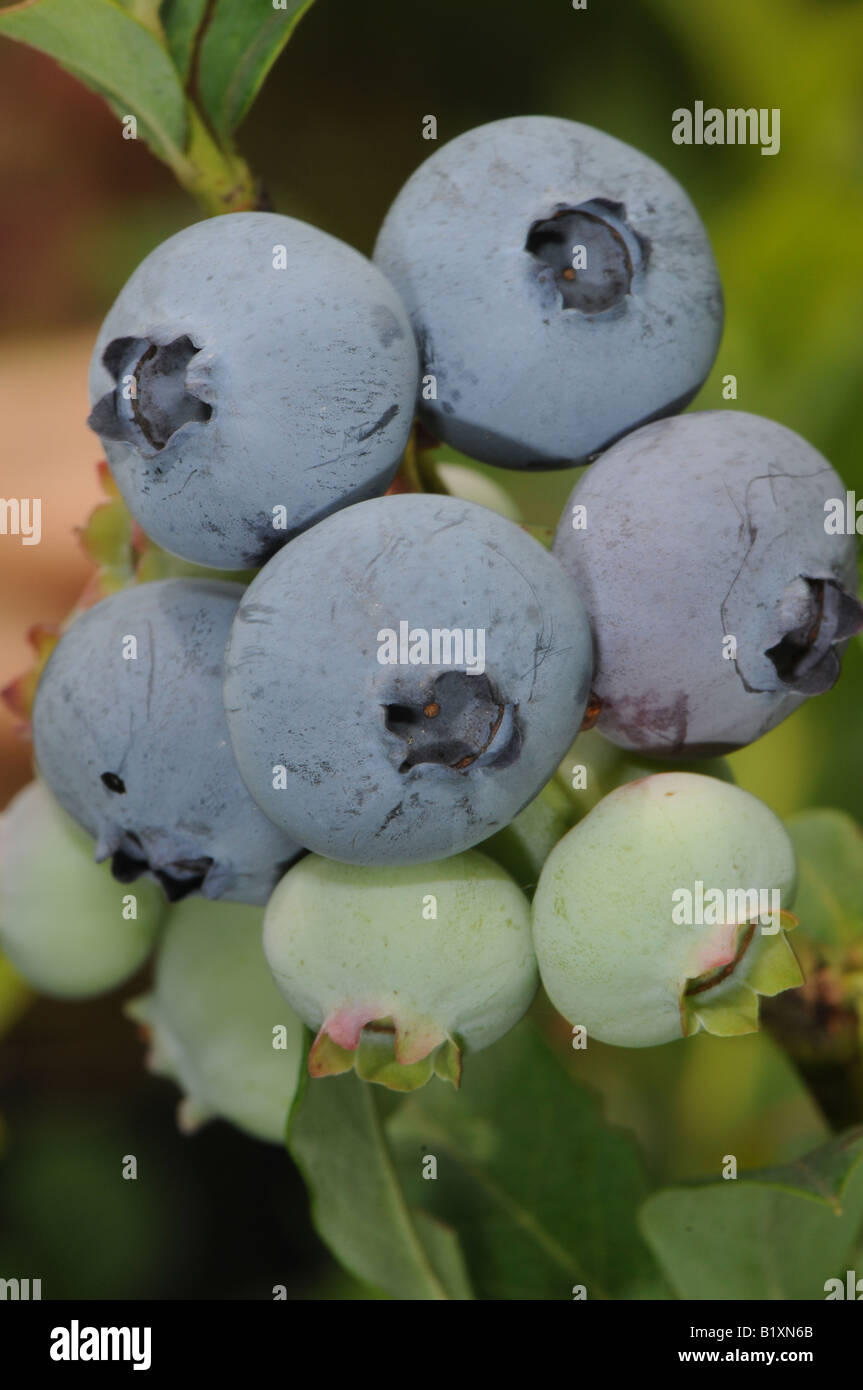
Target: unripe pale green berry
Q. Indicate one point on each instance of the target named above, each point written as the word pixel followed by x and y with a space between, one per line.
pixel 615 949
pixel 399 968
pixel 68 927
pixel 217 1025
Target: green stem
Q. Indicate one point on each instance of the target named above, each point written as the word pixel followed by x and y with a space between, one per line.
pixel 220 179
pixel 424 446
pixel 417 473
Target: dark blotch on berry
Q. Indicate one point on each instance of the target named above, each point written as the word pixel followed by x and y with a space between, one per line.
pixel 806 659
pixel 611 251
pixel 184 876
pixel 125 867
pixel 160 404
pixel 456 723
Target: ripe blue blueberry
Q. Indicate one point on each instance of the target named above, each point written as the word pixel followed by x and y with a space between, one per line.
pixel 718 597
pixel 250 364
pixel 402 679
pixel 561 286
pixel 130 735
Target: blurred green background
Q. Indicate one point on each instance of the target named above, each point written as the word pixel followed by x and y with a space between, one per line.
pixel 334 134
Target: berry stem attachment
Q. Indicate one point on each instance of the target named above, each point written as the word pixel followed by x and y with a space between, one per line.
pixel 219 178
pixel 416 473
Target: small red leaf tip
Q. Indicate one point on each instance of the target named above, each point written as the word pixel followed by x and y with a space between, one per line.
pixel 19 694
pixel 139 538
pixel 106 479
pixel 346 1024
pixel 416 1040
pixel 363 1036
pixel 718 950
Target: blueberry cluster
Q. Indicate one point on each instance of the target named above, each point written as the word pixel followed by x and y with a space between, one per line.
pixel 403 679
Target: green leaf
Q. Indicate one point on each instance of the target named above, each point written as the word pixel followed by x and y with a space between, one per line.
pixel 181 20
pixel 241 43
pixel 146 12
pixel 829 900
pixel 113 52
pixel 776 1233
pixel 543 1193
pixel 358 1206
